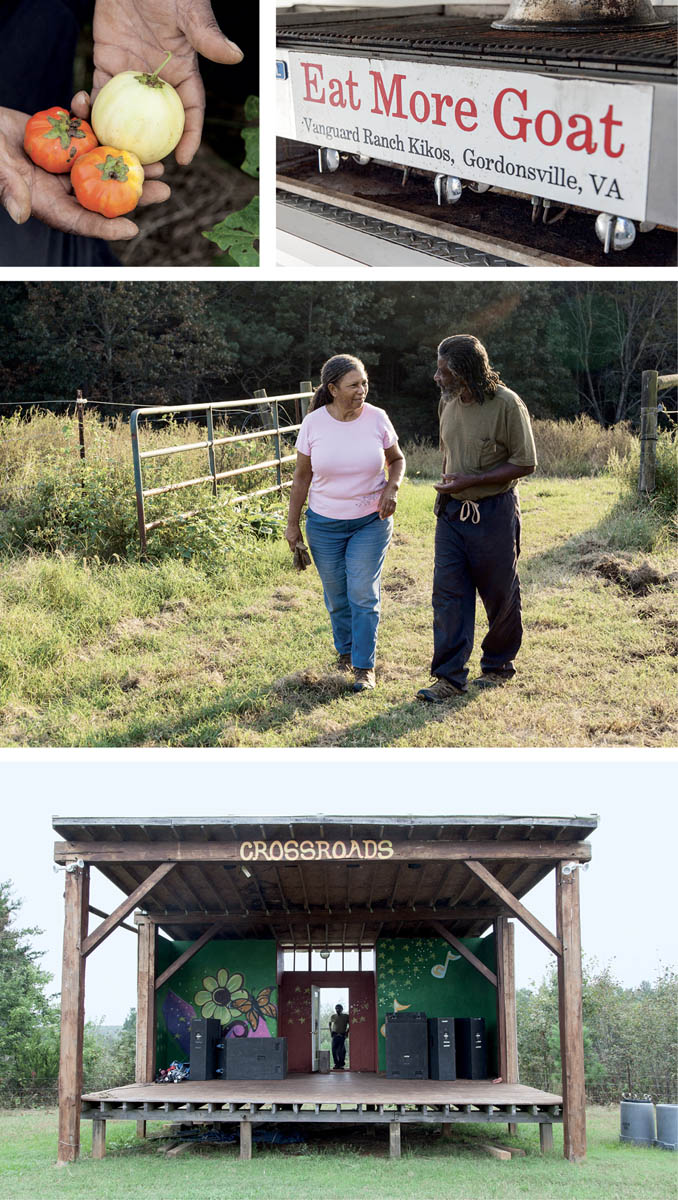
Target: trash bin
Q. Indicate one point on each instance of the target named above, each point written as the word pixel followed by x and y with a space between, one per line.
pixel 637 1121
pixel 667 1126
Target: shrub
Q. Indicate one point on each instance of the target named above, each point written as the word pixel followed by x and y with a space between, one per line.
pixel 54 502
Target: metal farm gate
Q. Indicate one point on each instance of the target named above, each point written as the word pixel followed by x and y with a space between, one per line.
pixel 268 408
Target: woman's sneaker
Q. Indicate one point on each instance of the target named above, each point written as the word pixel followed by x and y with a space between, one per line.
pixel 364 679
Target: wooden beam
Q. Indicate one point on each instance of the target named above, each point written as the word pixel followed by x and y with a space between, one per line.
pixel 245 1141
pixel 187 955
pixel 394 1139
pixel 465 952
pixel 570 1013
pixel 507 1034
pixel 356 915
pixel 516 907
pixel 76 902
pixel 545 1136
pixel 99 912
pixel 123 910
pixel 438 851
pixel 145 1040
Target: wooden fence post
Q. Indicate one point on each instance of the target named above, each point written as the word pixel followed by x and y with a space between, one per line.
pixel 306 385
pixel 76 916
pixel 648 433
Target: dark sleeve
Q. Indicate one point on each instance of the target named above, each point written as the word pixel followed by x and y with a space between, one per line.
pixel 37 48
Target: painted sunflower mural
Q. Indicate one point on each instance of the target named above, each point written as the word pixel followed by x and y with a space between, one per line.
pixel 222 996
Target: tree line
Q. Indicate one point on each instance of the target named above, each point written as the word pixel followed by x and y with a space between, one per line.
pixel 566 348
pixel 630 1038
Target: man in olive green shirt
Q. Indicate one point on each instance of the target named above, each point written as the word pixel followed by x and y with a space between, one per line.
pixel 339 1029
pixel 487 444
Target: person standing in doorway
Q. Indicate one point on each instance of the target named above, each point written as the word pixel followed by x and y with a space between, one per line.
pixel 487 444
pixel 339 1030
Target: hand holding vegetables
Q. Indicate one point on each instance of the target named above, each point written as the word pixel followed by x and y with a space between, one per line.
pixel 133 35
pixel 26 189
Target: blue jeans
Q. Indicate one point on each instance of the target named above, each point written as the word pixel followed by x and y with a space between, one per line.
pixel 349 556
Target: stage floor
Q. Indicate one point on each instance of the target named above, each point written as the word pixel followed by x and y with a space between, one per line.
pixel 337 1088
pixel 342 1097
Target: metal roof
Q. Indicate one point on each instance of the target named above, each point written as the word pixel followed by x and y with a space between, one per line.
pixel 351 900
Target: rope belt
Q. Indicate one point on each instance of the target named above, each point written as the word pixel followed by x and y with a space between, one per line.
pixel 469 508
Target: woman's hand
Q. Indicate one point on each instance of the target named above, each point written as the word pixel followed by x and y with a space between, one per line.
pixel 388 502
pixel 293 537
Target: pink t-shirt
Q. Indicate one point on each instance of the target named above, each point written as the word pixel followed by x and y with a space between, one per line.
pixel 347 460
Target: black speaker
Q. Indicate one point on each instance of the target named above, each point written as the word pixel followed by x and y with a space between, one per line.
pixel 471 1047
pixel 442 1059
pixel 255 1058
pixel 406 1045
pixel 205 1035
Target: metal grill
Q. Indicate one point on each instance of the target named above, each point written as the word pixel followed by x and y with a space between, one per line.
pixel 656 49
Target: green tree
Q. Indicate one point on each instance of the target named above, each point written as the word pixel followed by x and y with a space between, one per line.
pixel 28 1017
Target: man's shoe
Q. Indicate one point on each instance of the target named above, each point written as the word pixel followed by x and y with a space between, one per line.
pixel 492 679
pixel 364 679
pixel 440 691
pixel 344 662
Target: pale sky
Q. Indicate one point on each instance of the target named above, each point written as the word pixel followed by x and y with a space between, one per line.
pixel 628 891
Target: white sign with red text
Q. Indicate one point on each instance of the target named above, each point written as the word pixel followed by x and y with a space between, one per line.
pixel 577 141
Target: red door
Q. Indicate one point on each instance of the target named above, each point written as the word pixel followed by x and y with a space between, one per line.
pixel 295 1016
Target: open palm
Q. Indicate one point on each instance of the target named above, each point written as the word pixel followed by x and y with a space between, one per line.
pixel 50 198
pixel 135 35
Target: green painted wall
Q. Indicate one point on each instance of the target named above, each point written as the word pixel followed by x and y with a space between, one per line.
pixel 456 989
pixel 226 979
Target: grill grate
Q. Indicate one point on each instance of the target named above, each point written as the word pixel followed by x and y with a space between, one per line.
pixel 473 36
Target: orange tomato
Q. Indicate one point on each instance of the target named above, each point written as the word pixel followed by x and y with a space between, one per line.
pixel 108 181
pixel 54 139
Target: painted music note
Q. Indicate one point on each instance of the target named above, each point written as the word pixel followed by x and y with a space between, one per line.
pixel 440 969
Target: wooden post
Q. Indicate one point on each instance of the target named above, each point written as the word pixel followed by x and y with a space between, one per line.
pixel 245 1141
pixel 145 1044
pixel 394 1139
pixel 507 1030
pixel 76 915
pixel 648 433
pixel 545 1136
pixel 98 1139
pixel 570 1012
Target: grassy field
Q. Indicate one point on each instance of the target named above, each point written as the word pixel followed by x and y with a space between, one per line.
pixel 339 1165
pixel 168 655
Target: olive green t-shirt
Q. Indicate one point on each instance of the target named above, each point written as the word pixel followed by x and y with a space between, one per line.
pixel 339 1023
pixel 476 437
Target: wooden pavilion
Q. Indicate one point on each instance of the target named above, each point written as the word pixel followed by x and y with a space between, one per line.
pixel 263 898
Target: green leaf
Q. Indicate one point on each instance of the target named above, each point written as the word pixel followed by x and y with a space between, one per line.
pixel 250 164
pixel 252 108
pixel 237 233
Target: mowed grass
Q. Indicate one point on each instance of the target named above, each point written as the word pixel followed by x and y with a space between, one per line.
pixel 134 655
pixel 337 1164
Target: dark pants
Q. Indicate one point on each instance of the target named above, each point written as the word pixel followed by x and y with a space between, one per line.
pixel 479 558
pixel 339 1049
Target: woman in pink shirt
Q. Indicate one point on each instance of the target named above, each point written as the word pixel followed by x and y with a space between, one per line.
pixel 342 449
